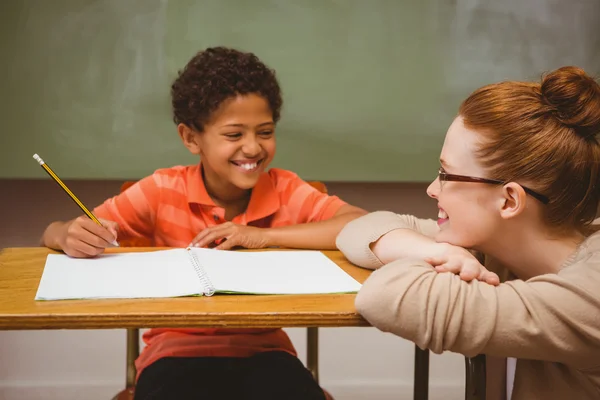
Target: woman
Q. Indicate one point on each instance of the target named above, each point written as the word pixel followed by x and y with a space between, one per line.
pixel 519 183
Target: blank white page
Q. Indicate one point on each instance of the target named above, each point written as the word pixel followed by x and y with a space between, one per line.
pixel 274 272
pixel 164 273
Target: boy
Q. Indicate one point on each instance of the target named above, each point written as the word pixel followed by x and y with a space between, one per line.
pixel 226 105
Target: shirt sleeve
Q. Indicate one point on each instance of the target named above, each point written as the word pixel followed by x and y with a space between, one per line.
pixel 355 238
pixel 134 209
pixel 551 317
pixel 307 204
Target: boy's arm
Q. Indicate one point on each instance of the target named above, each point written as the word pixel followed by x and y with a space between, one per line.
pixel 313 235
pixel 316 235
pixel 319 218
pixel 129 214
pixel 52 234
pixel 64 235
pixel 314 220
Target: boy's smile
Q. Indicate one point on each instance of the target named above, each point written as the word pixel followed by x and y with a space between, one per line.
pixel 248 165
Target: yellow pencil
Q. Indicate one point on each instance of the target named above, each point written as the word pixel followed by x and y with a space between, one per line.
pixel 73 197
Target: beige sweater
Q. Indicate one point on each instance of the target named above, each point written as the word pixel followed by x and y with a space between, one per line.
pixel 550 323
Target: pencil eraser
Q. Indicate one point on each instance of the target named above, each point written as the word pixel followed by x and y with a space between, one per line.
pixel 38 159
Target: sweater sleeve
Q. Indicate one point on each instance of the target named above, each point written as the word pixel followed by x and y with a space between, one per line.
pixel 551 317
pixel 356 237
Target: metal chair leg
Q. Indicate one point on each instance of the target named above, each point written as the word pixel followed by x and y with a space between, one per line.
pixel 421 379
pixel 312 352
pixel 475 378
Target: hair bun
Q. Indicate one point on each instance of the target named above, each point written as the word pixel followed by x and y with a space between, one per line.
pixel 574 98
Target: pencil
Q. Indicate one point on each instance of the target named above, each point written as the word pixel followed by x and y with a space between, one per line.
pixel 71 194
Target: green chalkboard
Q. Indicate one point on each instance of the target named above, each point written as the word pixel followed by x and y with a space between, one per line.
pixel 370 86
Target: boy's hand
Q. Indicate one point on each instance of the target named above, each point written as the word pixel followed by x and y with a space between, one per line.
pixel 460 261
pixel 228 235
pixel 82 237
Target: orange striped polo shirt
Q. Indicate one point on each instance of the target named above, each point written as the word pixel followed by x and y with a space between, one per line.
pixel 171 206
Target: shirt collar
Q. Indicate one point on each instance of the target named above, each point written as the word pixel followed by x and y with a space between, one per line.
pixel 195 186
pixel 264 200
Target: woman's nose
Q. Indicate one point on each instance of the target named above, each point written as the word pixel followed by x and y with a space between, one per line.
pixel 433 190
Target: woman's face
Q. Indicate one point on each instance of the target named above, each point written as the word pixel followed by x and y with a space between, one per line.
pixel 468 212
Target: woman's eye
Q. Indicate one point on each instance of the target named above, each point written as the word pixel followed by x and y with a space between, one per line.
pixel 266 133
pixel 233 135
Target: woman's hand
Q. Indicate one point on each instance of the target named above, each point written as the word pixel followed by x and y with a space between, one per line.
pixel 461 262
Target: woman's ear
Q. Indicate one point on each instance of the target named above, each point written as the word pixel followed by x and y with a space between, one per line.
pixel 514 199
pixel 190 138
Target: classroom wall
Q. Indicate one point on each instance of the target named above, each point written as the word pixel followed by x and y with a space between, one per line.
pixel 369 86
pixel 355 363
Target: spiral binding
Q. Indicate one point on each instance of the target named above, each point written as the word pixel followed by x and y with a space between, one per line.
pixel 209 289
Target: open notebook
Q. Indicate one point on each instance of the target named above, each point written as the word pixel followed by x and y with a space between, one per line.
pixel 191 272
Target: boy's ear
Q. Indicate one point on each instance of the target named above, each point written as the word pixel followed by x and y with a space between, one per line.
pixel 190 138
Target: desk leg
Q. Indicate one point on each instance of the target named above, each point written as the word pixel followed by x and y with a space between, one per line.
pixel 133 351
pixel 475 378
pixel 421 384
pixel 312 353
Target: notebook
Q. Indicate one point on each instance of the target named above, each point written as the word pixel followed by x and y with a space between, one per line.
pixel 191 272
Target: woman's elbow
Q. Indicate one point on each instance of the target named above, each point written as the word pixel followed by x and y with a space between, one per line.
pixel 346 237
pixel 364 303
pixel 357 255
pixel 356 248
pixel 372 305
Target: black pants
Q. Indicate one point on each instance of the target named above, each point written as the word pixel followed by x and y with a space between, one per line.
pixel 273 375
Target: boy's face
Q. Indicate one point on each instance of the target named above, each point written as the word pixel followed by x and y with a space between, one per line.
pixel 237 144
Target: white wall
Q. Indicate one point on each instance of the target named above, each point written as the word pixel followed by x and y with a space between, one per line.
pixel 355 363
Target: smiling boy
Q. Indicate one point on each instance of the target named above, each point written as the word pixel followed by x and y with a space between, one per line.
pixel 226 105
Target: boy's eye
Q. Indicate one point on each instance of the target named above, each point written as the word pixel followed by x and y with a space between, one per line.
pixel 266 133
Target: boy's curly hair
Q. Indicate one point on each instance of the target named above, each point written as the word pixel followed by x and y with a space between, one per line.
pixel 215 75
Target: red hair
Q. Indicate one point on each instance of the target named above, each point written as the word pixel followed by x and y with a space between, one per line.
pixel 543 135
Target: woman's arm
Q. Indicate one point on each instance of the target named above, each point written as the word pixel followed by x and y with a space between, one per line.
pixel 383 236
pixel 404 242
pixel 551 317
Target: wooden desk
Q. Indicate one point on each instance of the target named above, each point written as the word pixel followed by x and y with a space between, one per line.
pixel 21 270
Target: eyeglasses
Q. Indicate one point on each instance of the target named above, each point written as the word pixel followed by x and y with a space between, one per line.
pixel 445 177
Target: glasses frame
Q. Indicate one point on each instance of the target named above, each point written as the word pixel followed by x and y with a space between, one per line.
pixel 443 176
